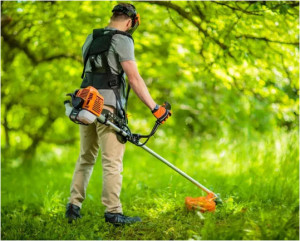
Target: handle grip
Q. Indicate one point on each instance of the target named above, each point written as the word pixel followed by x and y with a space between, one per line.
pixel 167 105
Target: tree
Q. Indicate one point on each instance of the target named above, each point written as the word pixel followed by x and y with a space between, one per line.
pixel 225 67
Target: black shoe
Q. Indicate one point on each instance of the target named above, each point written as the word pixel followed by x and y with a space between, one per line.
pixel 73 212
pixel 118 219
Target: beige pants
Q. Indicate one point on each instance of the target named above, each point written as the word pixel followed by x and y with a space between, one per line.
pixel 91 138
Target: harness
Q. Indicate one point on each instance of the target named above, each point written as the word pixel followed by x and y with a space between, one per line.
pixel 97 78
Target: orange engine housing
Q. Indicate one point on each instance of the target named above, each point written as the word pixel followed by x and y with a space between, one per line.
pixel 93 101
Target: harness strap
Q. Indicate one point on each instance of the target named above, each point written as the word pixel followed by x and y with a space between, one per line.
pixel 105 64
pixel 119 104
pixel 92 61
pixel 113 83
pixel 127 95
pixel 100 80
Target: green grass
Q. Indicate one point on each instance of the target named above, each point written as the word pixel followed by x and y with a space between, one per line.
pixel 257 177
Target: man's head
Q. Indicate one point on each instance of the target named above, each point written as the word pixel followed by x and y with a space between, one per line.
pixel 125 17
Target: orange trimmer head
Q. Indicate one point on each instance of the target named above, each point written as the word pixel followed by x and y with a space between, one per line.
pixel 202 204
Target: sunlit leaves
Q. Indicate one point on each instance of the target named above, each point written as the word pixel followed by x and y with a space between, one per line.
pixel 231 65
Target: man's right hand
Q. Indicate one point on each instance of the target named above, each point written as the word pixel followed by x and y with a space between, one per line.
pixel 163 112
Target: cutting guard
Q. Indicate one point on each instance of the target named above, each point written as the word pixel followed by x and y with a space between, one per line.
pixel 202 204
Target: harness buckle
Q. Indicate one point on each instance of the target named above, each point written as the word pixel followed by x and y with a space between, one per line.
pixel 113 83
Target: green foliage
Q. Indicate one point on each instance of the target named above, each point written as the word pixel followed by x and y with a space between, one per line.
pixel 224 67
pixel 257 178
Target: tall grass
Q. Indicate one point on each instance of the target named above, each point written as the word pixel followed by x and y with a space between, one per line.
pixel 257 177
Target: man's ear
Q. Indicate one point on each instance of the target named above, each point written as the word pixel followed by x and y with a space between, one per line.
pixel 129 23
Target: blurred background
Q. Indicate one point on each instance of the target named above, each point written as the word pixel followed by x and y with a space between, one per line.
pixel 229 69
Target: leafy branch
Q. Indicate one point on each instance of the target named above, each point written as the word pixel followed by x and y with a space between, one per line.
pixel 189 17
pixel 14 43
pixel 267 40
pixel 238 9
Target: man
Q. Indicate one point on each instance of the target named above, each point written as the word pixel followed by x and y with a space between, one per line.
pixel 108 53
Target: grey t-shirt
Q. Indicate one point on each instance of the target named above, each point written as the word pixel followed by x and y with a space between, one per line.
pixel 121 49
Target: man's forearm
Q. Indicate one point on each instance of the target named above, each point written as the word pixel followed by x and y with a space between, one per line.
pixel 137 83
pixel 139 87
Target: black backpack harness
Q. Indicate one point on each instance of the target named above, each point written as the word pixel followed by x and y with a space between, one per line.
pixel 97 78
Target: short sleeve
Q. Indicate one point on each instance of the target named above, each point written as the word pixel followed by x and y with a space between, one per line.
pixel 86 44
pixel 124 47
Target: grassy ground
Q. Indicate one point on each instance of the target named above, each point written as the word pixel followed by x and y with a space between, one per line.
pixel 256 176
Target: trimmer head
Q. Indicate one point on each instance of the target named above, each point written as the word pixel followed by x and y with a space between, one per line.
pixel 203 204
pixel 218 200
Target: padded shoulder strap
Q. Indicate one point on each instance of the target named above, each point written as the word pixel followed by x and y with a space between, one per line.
pixel 123 33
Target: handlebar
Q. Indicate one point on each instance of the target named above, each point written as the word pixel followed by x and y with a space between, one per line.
pixel 126 132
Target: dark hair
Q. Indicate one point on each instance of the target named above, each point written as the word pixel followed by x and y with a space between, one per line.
pixel 120 15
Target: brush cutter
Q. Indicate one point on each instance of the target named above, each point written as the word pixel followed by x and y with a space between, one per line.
pixel 87 106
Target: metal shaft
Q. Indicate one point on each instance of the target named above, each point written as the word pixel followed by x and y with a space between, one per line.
pixel 177 169
pixel 117 129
